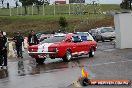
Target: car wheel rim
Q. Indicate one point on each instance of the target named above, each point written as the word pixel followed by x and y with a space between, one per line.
pixel 69 55
pixel 93 53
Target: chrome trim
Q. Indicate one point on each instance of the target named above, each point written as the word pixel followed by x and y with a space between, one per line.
pixel 39 53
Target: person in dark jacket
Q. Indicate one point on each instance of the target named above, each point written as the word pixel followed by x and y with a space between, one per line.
pixel 18 39
pixel 3 49
pixel 32 39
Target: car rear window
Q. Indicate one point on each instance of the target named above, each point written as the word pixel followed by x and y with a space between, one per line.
pixel 54 39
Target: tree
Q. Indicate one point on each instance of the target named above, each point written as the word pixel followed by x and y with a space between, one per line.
pixel 63 23
pixel 26 3
pixel 38 3
pixel 2 2
pixel 41 2
pixel 126 4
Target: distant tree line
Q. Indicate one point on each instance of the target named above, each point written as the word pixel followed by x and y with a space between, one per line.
pixel 126 4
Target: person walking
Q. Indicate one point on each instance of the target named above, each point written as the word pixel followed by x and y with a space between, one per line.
pixel 18 39
pixel 32 39
pixel 3 50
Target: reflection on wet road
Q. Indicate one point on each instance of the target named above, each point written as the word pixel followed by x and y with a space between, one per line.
pixel 108 63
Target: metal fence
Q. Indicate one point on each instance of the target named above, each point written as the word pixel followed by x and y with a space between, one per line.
pixel 69 9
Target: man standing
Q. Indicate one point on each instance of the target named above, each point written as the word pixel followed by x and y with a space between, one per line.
pixel 32 39
pixel 18 39
pixel 3 49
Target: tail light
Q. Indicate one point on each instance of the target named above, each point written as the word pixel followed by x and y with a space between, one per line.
pixel 33 48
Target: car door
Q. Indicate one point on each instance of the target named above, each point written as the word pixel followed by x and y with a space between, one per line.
pixel 78 45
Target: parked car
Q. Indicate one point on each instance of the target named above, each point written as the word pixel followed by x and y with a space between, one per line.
pixel 93 32
pixel 63 46
pixel 105 33
pixel 85 36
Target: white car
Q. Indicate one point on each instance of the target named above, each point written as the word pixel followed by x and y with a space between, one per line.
pixel 105 33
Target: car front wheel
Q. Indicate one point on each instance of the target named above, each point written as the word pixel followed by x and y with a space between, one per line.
pixel 91 53
pixel 40 60
pixel 102 39
pixel 68 56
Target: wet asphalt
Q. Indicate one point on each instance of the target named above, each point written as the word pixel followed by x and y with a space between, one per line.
pixel 108 63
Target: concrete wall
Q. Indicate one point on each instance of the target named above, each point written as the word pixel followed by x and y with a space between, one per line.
pixel 123 29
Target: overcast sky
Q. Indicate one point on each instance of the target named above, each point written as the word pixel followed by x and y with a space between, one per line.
pixel 12 2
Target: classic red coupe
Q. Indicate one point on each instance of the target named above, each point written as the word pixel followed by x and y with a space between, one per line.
pixel 63 46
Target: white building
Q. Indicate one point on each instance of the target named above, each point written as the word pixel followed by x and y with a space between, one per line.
pixel 123 29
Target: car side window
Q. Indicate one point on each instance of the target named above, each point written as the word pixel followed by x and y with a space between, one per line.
pixel 76 39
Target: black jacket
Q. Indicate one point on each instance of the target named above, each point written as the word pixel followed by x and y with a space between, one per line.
pixel 32 40
pixel 3 42
pixel 18 40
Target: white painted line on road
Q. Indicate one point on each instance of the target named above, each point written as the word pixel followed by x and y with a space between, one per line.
pixel 110 63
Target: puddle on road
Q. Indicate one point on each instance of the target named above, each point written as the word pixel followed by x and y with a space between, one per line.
pixel 29 72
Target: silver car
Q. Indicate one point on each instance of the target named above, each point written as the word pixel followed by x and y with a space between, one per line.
pixel 105 33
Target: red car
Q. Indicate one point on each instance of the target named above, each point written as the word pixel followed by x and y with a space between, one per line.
pixel 63 46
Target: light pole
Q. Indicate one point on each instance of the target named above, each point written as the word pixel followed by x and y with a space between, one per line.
pixel 32 8
pixel 16 2
pixel 69 9
pixel 43 8
pixel 54 7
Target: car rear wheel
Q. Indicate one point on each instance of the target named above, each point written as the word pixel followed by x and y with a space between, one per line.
pixel 40 60
pixel 91 53
pixel 68 56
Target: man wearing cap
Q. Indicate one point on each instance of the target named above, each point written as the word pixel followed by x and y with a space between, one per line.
pixel 3 49
pixel 18 39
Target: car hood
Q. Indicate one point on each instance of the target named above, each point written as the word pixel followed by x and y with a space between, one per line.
pixel 108 34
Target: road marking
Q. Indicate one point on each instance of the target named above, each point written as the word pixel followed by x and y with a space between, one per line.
pixel 110 63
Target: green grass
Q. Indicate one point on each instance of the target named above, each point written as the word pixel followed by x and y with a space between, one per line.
pixel 48 18
pixel 49 22
pixel 62 9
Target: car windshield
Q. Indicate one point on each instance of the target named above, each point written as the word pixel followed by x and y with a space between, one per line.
pixel 107 30
pixel 82 34
pixel 54 39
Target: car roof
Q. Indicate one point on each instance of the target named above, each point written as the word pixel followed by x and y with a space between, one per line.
pixel 64 35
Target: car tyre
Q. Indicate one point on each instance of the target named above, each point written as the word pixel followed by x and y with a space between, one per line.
pixel 97 40
pixel 68 56
pixel 40 60
pixel 111 39
pixel 91 53
pixel 102 39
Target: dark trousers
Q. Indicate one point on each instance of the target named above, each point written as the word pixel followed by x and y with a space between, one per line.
pixel 19 51
pixel 3 57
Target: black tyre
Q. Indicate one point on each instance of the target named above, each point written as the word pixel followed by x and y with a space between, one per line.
pixel 40 60
pixel 84 81
pixel 97 40
pixel 68 56
pixel 102 39
pixel 91 53
pixel 111 39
